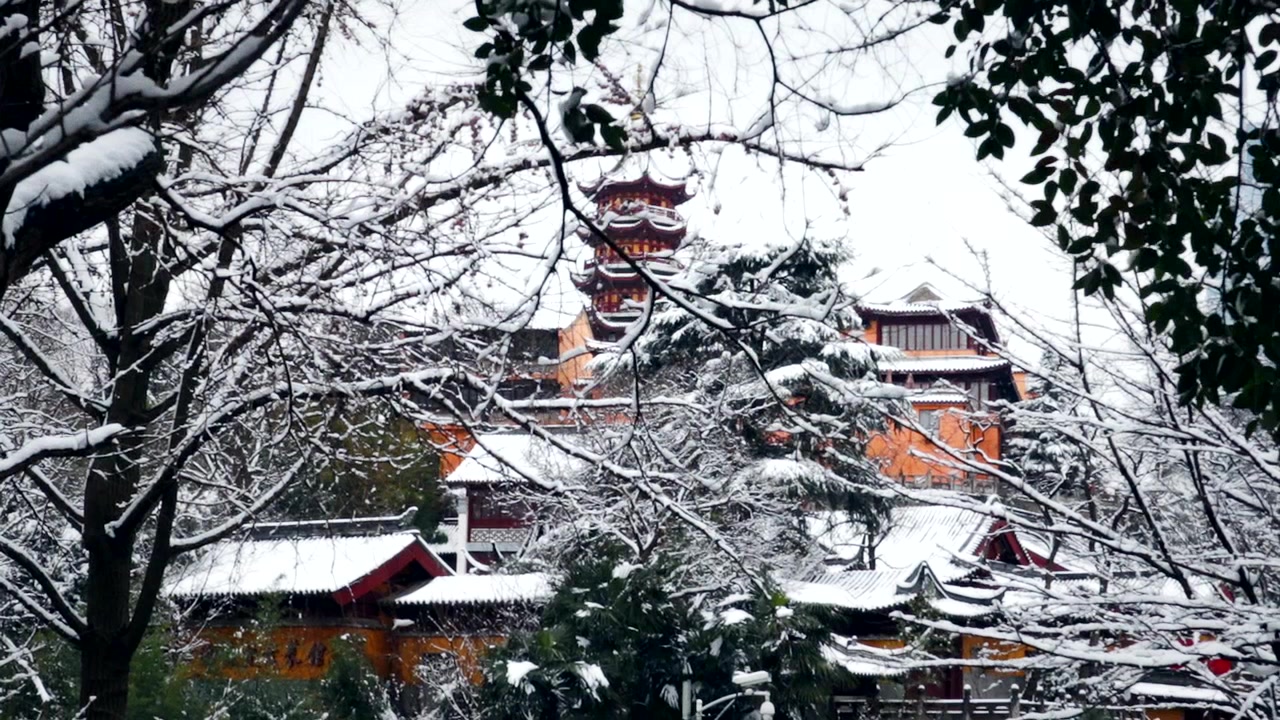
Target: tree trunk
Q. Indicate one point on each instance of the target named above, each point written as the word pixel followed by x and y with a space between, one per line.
pixel 140 286
pixel 104 676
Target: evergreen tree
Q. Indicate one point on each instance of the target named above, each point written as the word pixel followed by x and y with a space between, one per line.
pixel 617 638
pixel 788 378
pixel 1040 447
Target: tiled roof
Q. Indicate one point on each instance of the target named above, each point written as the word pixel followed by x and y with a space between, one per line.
pixel 940 396
pixel 291 565
pixel 513 457
pixel 863 660
pixel 919 309
pixel 922 545
pixel 481 590
pixel 945 364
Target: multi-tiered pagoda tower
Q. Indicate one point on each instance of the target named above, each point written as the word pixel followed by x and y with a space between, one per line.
pixel 639 218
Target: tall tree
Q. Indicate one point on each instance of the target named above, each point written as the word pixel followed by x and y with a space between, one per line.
pixel 792 381
pixel 1040 449
pixel 211 269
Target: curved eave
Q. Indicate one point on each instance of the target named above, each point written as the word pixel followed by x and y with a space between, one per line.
pixel 605 188
pixel 638 229
pixel 975 315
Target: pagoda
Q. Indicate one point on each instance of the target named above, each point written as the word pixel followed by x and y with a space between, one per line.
pixel 639 218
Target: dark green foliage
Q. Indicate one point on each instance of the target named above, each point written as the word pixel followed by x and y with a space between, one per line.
pixel 639 632
pixel 528 36
pixel 1154 126
pixel 791 379
pixel 351 691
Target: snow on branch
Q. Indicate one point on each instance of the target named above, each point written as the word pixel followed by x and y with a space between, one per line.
pixel 103 158
pixel 79 443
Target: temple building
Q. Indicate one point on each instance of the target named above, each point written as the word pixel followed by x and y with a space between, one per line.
pixel 955 380
pixel 412 602
pixel 639 218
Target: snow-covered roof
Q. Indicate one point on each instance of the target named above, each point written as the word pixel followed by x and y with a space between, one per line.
pixel 509 457
pixel 634 175
pixel 449 529
pixel 1169 691
pixel 946 364
pixel 922 546
pixel 481 590
pixel 916 283
pixel 908 309
pixel 297 565
pixel 862 659
pixel 940 396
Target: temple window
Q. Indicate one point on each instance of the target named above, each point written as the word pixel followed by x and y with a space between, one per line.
pixel 924 336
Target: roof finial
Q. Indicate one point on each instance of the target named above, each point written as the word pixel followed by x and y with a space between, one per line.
pixel 638 112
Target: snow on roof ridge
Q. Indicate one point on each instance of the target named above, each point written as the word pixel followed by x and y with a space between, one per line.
pixel 506 457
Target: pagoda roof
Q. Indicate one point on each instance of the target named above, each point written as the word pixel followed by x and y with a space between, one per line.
pixel 633 227
pixel 925 299
pixel 606 186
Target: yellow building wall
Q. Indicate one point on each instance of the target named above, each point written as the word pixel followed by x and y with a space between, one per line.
pixel 468 651
pixel 978 648
pixel 306 652
pixel 574 338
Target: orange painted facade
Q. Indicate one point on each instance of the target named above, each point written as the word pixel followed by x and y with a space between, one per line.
pixel 958 425
pixel 573 342
pixel 306 652
pixel 294 652
pixel 905 455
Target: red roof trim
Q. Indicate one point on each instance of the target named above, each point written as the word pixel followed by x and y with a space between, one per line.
pixel 1000 530
pixel 413 553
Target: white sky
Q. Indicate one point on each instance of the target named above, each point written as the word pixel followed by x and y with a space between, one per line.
pixel 925 196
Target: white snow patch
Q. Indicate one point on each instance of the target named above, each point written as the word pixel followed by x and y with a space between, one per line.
pixel 98 160
pixel 592 676
pixel 733 616
pixel 517 670
pixel 624 570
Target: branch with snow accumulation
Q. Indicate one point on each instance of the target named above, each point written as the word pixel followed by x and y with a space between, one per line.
pixel 1160 551
pixel 80 443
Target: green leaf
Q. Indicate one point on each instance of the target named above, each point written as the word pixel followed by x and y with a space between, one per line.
pixel 1067 180
pixel 542 62
pixel 1037 176
pixel 476 24
pixel 1269 34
